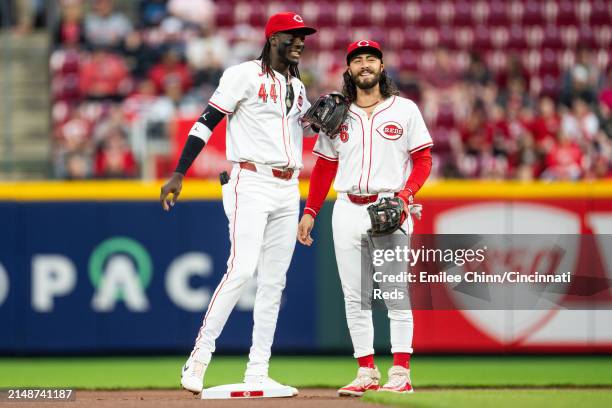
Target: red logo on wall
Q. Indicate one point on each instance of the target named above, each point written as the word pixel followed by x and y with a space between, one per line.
pixel 390 130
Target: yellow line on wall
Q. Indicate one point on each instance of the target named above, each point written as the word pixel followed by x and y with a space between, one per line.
pixel 211 190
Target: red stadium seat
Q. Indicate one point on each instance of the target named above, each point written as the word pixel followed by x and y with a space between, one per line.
pixel 341 39
pixel 533 13
pixel 516 38
pixel 412 39
pixel 603 37
pixel 447 38
pixel 552 37
pixel 498 14
pixel 326 15
pixel 549 65
pixel 463 14
pixel 224 15
pixel 360 14
pixel 408 61
pixel 394 15
pixel 428 14
pixel 586 38
pixel 566 13
pixel 600 13
pixel 482 39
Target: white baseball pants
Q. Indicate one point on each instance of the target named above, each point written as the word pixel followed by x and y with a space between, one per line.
pixel 350 223
pixel 263 218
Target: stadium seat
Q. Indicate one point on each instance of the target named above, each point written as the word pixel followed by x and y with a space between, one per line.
pixel 482 39
pixel 533 13
pixel 428 14
pixel 224 15
pixel 498 14
pixel 586 38
pixel 360 14
pixel 566 13
pixel 462 17
pixel 394 15
pixel 408 61
pixel 552 37
pixel 516 38
pixel 326 15
pixel 412 39
pixel 600 13
pixel 549 64
pixel 447 38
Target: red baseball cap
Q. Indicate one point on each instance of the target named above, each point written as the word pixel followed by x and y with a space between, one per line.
pixel 361 47
pixel 287 21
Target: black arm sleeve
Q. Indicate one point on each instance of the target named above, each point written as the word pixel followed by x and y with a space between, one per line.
pixel 193 147
pixel 211 117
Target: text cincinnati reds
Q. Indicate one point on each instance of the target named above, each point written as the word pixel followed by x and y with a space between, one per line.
pixel 472 277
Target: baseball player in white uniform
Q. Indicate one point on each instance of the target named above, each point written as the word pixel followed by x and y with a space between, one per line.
pixel 382 150
pixel 264 100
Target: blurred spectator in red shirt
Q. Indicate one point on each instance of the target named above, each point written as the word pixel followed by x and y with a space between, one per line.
pixel 171 69
pixel 564 160
pixel 105 26
pixel 104 75
pixel 70 29
pixel 547 123
pixel 115 159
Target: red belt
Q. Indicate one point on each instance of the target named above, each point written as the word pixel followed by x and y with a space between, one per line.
pixel 362 199
pixel 286 174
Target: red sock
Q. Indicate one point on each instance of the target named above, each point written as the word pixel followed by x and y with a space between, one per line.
pixel 401 359
pixel 366 361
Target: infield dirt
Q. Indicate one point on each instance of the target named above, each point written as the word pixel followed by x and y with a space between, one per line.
pixel 308 398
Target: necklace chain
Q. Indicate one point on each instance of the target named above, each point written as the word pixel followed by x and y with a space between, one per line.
pixel 369 106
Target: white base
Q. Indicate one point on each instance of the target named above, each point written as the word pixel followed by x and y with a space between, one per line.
pixel 242 390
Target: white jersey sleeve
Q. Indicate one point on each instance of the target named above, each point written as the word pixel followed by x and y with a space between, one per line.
pixel 418 135
pixel 233 87
pixel 325 148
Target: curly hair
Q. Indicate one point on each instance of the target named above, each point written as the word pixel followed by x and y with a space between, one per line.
pixel 266 60
pixel 387 86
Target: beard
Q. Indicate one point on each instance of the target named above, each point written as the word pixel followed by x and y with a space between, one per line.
pixel 362 83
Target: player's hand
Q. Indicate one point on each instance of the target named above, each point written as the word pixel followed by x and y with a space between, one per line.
pixel 304 229
pixel 407 199
pixel 173 186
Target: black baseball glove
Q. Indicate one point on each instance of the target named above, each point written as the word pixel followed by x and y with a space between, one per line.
pixel 386 215
pixel 328 113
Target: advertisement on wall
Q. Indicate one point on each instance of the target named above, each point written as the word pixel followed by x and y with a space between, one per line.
pixel 113 275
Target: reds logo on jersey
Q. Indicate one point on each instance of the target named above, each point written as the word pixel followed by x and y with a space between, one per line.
pixel 344 136
pixel 300 102
pixel 390 130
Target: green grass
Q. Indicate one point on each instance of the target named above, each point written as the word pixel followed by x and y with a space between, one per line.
pixel 495 398
pixel 163 372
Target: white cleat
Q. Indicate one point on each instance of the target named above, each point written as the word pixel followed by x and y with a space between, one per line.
pixel 367 380
pixel 192 376
pixel 399 381
pixel 268 383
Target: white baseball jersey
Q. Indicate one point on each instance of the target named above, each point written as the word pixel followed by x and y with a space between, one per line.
pixel 373 153
pixel 259 129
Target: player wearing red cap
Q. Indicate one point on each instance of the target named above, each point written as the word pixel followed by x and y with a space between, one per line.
pixel 382 150
pixel 264 100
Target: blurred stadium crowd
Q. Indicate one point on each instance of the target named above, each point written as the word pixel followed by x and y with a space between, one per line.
pixel 510 89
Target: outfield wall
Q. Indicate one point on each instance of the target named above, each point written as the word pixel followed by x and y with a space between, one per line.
pixel 99 267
